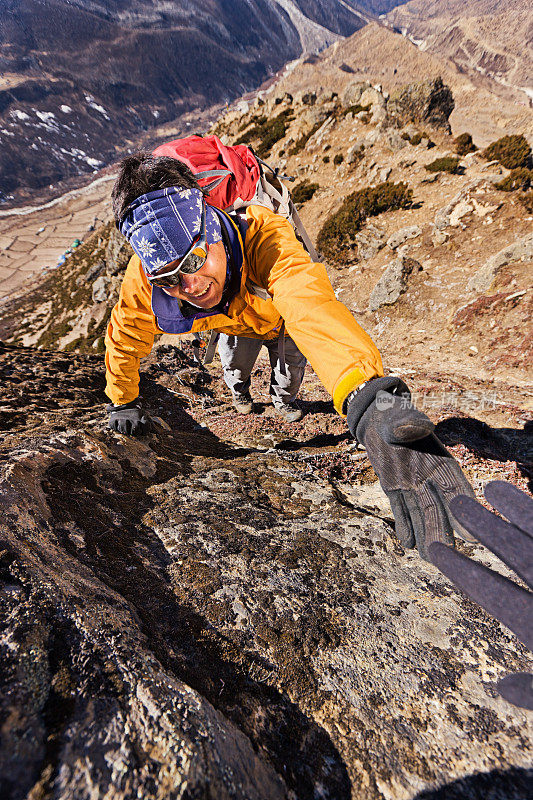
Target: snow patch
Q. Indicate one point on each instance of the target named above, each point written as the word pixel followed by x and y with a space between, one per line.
pixel 19 114
pixel 45 116
pixel 93 104
pixel 65 109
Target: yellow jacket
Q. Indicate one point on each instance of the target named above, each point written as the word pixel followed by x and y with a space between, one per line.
pixel 340 352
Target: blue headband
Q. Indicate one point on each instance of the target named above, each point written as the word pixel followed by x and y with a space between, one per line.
pixel 161 225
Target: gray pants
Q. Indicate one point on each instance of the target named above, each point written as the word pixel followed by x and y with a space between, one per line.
pixel 239 354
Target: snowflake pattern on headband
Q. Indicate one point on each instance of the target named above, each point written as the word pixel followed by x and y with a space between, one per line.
pixel 158 263
pixel 145 247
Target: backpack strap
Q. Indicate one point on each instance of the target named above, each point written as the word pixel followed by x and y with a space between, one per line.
pixel 281 349
pixel 212 173
pixel 258 291
pixel 211 347
pixel 219 174
pixel 298 224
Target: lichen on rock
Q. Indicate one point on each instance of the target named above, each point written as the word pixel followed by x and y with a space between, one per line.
pixel 182 616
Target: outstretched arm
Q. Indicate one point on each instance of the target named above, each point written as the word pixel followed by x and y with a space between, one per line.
pixel 417 473
pixel 342 354
pixel 130 335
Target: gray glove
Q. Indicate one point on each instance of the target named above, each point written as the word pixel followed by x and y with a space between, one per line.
pixel 416 472
pixel 129 419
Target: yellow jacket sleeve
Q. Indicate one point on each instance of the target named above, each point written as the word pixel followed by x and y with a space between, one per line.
pixel 130 335
pixel 342 354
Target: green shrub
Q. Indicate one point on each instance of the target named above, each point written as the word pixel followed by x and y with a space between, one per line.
pixel 326 159
pixel 74 345
pixel 417 137
pixel 256 120
pixel 338 159
pixel 268 133
pixel 300 143
pixel 340 228
pixel 444 164
pixel 304 191
pixel 464 144
pixel 511 151
pixel 520 178
pixel 527 201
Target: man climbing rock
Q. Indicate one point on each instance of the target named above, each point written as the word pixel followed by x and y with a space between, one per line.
pixel 197 268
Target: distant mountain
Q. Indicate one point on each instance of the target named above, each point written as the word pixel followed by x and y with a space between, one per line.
pixel 493 38
pixel 79 78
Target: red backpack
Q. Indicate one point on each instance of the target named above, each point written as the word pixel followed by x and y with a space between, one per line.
pixel 234 177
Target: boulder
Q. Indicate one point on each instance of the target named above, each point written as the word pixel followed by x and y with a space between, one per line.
pixel 430 102
pixel 439 237
pixel 393 139
pixel 372 97
pixel 242 107
pixel 355 153
pixel 384 174
pixel 183 616
pixel 99 292
pixel 521 250
pixel 379 115
pixel 369 242
pixel 352 93
pixel 393 282
pixel 401 236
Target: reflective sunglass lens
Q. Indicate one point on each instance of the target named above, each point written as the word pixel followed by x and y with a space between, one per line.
pixel 193 262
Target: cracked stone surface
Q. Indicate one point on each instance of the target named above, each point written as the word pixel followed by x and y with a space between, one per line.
pixel 208 612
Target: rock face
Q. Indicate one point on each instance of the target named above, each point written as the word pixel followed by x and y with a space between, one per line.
pixel 430 102
pixel 184 617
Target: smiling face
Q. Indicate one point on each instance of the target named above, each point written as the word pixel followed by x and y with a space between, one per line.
pixel 203 288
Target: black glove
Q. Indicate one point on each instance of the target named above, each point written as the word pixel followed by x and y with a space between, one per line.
pixel 512 542
pixel 129 419
pixel 416 472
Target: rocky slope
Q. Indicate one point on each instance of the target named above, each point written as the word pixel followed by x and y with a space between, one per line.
pixel 79 81
pixel 467 244
pixel 221 609
pixel 490 38
pixel 379 55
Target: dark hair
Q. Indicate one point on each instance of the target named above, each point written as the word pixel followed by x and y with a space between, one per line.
pixel 143 172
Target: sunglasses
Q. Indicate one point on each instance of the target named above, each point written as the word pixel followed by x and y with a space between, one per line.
pixel 192 261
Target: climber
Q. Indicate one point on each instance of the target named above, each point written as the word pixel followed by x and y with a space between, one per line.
pixel 197 268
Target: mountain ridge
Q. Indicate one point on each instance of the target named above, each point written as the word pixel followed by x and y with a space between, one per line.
pixel 70 71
